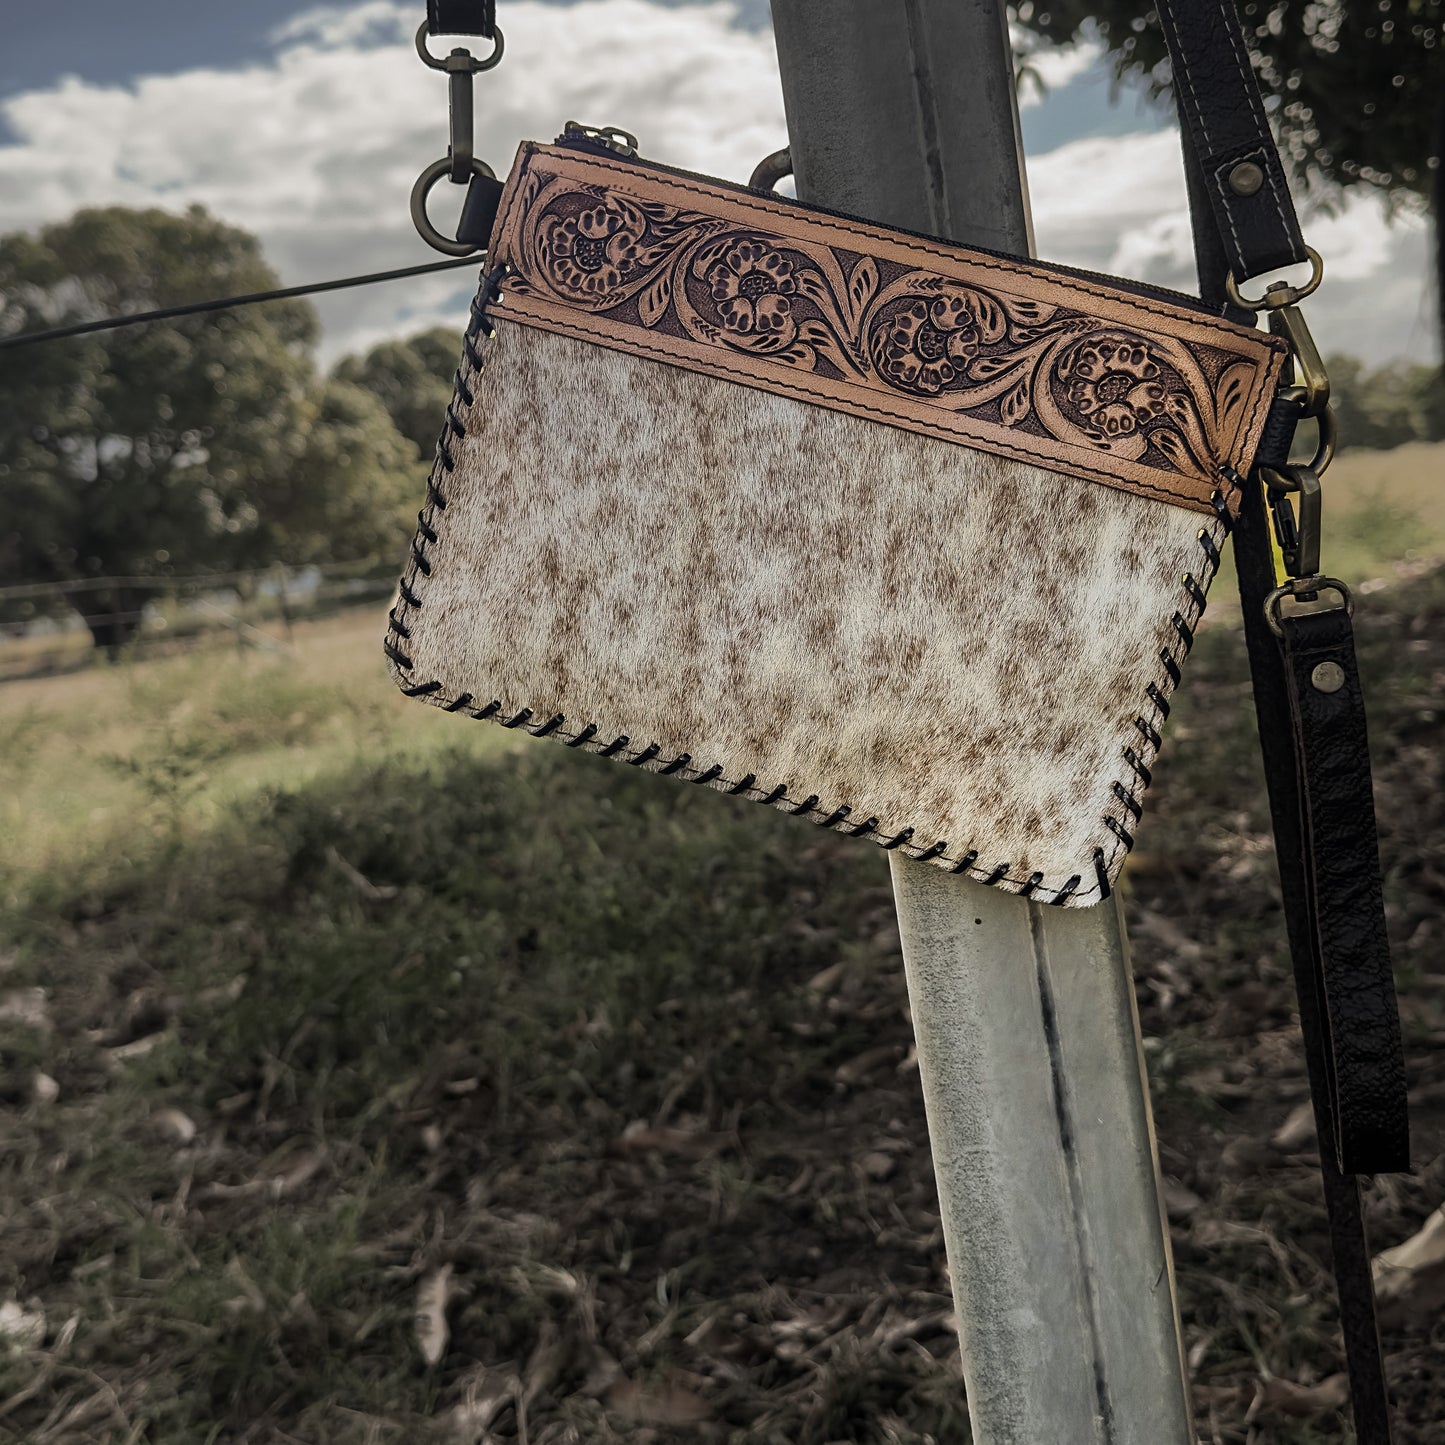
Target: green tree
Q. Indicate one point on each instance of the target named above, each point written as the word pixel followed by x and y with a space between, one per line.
pixel 192 445
pixel 372 485
pixel 412 379
pixel 1356 88
pixel 1396 403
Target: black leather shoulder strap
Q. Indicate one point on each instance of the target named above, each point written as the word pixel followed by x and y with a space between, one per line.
pixel 1300 886
pixel 1321 806
pixel 461 17
pixel 1223 123
pixel 1363 1054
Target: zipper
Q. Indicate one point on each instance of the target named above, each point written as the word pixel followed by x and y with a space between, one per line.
pixel 616 144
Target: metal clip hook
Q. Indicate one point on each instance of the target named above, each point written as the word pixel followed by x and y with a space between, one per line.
pixel 1314 382
pixel 460 165
pixel 1298 536
pixel 459 115
pixel 1307 589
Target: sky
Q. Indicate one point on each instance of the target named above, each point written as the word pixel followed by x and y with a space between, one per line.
pixel 307 125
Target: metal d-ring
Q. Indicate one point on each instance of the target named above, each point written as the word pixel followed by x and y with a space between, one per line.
pixel 1302 588
pixel 419 192
pixel 475 65
pixel 1280 293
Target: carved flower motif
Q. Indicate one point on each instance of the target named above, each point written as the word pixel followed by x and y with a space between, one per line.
pixel 1114 382
pixel 750 287
pixel 593 250
pixel 925 345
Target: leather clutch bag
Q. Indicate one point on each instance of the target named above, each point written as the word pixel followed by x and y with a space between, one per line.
pixel 906 538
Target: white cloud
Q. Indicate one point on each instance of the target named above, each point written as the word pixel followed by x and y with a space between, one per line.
pixel 316 152
pixel 361 24
pixel 1101 202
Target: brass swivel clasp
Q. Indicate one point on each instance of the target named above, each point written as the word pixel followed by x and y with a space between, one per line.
pixel 1296 500
pixel 1311 388
pixel 1312 380
pixel 1298 532
pixel 459 164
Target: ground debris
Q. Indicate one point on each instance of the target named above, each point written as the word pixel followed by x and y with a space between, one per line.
pixel 641 1138
pixel 1297 1131
pixel 433 1298
pixel 360 883
pixel 1284 1397
pixel 173 1125
pixel 1410 1278
pixel 486 1391
pixel 21 1327
pixel 663 1402
pixel 28 1007
pixel 639 1075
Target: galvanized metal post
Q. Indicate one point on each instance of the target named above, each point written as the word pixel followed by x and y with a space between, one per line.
pixel 1028 1039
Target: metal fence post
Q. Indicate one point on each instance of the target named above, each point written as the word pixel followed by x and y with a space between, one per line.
pixel 1028 1040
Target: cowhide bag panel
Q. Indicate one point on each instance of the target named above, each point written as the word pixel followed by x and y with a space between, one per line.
pixel 943 647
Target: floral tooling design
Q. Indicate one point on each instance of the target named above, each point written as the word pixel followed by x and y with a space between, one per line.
pixel 982 362
pixel 927 345
pixel 592 249
pixel 1114 380
pixel 751 286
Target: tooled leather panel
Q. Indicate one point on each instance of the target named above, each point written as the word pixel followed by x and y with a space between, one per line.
pixel 939 647
pixel 1102 384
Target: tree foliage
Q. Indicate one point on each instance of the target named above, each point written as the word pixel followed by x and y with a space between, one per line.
pixel 198 444
pixel 1355 87
pixel 353 489
pixel 413 380
pixel 1399 402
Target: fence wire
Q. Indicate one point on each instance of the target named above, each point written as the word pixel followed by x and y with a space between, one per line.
pixel 47 627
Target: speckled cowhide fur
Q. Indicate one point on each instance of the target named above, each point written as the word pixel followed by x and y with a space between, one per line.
pixel 942 648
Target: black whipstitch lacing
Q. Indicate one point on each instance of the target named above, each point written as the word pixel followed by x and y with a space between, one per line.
pixel 399 629
pixel 1184 622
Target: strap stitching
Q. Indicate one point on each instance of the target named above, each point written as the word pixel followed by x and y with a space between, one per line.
pixel 1179 72
pixel 857 230
pixel 1251 90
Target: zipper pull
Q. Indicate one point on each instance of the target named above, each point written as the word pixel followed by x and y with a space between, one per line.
pixel 601 137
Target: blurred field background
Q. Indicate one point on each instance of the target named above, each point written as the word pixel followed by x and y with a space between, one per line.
pixel 218 700
pixel 375 1076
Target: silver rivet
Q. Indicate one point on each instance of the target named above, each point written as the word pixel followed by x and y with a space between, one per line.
pixel 1246 178
pixel 1328 677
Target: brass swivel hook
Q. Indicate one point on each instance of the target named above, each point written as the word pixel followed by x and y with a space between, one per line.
pixel 460 164
pixel 1299 532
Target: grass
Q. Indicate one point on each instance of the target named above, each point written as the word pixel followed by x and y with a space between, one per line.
pixel 342 1000
pixel 1384 507
pixel 95 760
pixel 464 970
